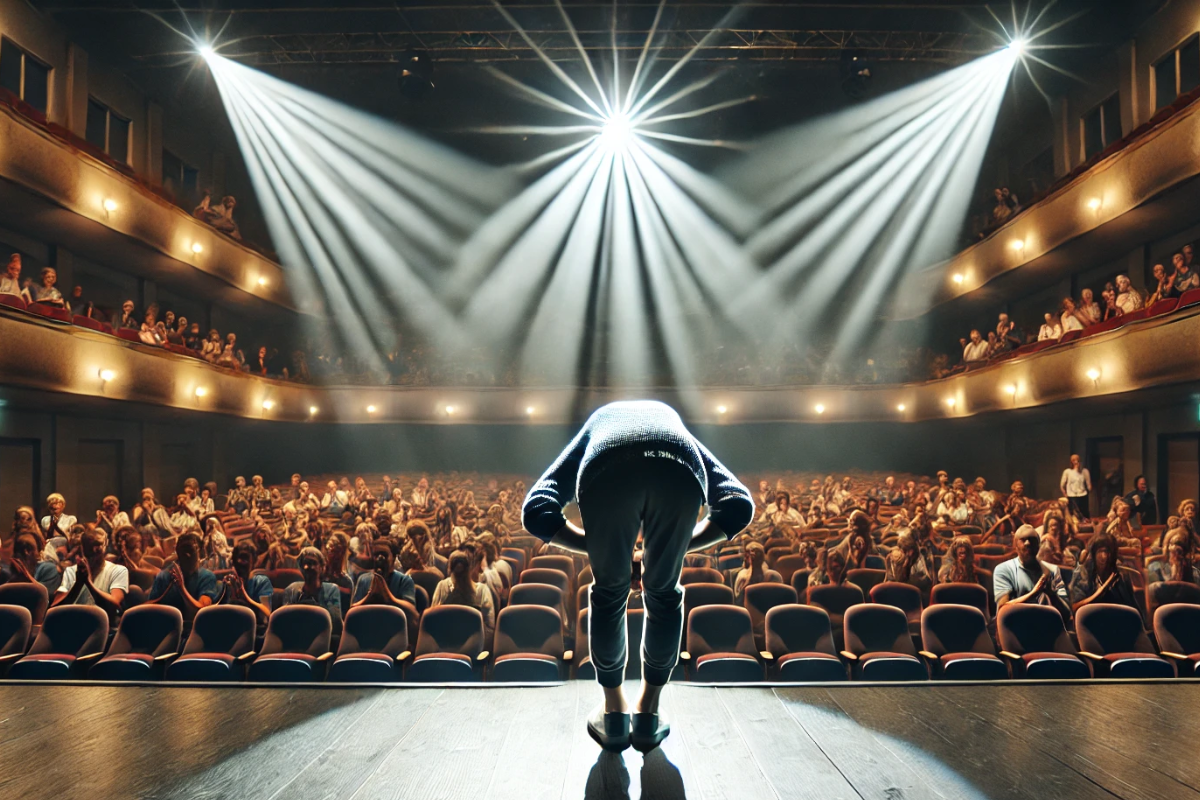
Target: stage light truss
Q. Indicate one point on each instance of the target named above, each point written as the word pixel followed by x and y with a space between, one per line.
pixel 727 44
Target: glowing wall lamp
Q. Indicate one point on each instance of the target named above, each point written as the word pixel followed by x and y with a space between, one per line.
pixel 201 391
pixel 1093 374
pixel 1018 246
pixel 107 375
pixel 1094 204
pixel 110 205
pixel 197 248
pixel 371 409
pixel 313 410
pixel 819 408
pixel 901 408
pixel 268 405
pixel 958 278
pixel 262 281
pixel 722 410
pixel 529 410
pixel 951 402
pixel 449 411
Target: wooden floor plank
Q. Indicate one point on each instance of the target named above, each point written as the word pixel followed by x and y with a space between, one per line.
pixel 542 727
pixel 929 733
pixel 1089 744
pixel 454 748
pixel 783 751
pixel 873 771
pixel 725 765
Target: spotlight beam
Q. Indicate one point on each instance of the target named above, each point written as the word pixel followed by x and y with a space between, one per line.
pixel 635 83
pixel 699 112
pixel 538 95
pixel 608 109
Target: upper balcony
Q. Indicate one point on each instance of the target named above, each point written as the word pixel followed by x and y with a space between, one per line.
pixel 56 187
pixel 1140 188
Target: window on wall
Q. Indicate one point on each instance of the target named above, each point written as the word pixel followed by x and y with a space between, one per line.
pixel 24 75
pixel 1101 126
pixel 180 179
pixel 1176 73
pixel 108 130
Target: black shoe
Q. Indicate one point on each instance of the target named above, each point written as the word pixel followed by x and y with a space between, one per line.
pixel 609 729
pixel 648 730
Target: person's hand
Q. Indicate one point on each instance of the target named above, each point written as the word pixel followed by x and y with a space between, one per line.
pixel 177 575
pixel 1041 584
pixel 82 571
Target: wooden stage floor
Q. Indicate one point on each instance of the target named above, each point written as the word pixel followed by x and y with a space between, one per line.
pixel 1104 740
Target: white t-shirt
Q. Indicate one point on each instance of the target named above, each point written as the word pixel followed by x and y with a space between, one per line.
pixel 65 522
pixel 1070 322
pixel 1075 484
pixel 1049 331
pixel 975 351
pixel 112 576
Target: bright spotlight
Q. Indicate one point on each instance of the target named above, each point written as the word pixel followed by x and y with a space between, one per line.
pixel 617 132
pixel 110 205
pixel 1018 46
pixel 206 51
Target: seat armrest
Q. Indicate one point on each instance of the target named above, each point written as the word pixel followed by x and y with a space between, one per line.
pixel 1010 655
pixel 165 656
pixel 929 655
pixel 1092 656
pixel 483 655
pixel 685 656
pixel 89 656
pixel 766 655
pixel 325 656
pixel 846 654
pixel 1164 654
pixel 568 656
pixel 404 656
pixel 249 654
pixel 11 657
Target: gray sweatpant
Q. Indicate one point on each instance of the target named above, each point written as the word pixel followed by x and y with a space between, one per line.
pixel 662 498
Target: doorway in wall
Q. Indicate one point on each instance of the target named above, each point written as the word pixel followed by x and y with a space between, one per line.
pixel 1105 460
pixel 1178 470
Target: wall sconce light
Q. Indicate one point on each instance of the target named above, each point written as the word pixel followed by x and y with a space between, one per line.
pixel 371 409
pixel 107 375
pixel 958 278
pixel 197 248
pixel 110 205
pixel 268 405
pixel 819 408
pixel 201 391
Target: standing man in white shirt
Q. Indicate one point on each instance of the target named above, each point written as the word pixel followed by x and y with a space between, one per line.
pixel 1076 486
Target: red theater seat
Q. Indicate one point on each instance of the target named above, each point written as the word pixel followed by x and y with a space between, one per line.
pixel 1189 298
pixel 50 312
pixel 1163 307
pixel 87 322
pixel 13 301
pixel 128 334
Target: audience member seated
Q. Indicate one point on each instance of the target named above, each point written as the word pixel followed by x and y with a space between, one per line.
pixel 152 520
pixel 1100 579
pixel 1051 329
pixel 184 584
pixel 93 580
pixel 46 292
pixel 27 564
pixel 753 572
pixel 1143 506
pixel 1070 319
pixel 10 282
pixel 1054 549
pixel 1025 579
pixel 57 523
pixel 313 590
pixel 1177 564
pixel 958 565
pixel 384 584
pixel 909 564
pixel 110 517
pixel 1184 277
pixel 831 569
pixel 1128 298
pixel 460 590
pixel 976 349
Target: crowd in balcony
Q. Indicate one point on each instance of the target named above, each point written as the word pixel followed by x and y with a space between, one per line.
pixel 1119 300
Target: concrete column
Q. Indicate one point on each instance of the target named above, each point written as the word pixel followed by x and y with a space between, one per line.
pixel 1127 84
pixel 151 158
pixel 1065 157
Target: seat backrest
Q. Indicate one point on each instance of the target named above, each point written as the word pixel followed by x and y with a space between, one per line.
pixel 872 628
pixel 729 561
pixel 536 594
pixel 776 541
pixel 787 565
pixel 1105 628
pixel 451 629
pixel 866 578
pixel 705 594
pixel 298 629
pixel 222 629
pixel 799 582
pixel 903 596
pixel 283 578
pixel 31 596
pixel 144 578
pixel 374 629
pixel 691 575
pixel 835 598
pixel 529 629
pixel 963 594
pixel 552 577
pixel 15 625
pixel 516 554
pixel 1024 628
pixel 778 552
pixel 565 564
pixel 148 630
pixel 720 629
pixel 793 628
pixel 1157 594
pixel 762 597
pixel 73 631
pixel 426 580
pixel 951 628
pixel 1177 628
